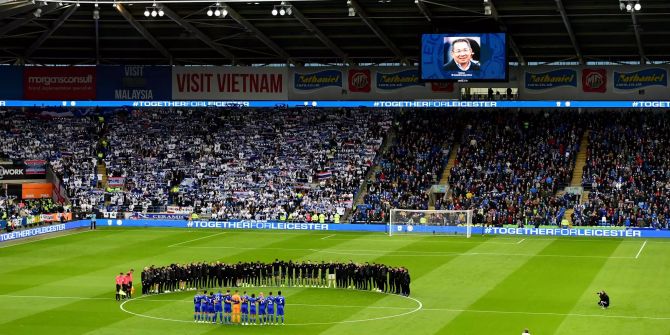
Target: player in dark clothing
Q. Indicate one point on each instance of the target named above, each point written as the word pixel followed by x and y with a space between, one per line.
pixel 604 300
pixel 290 268
pixel 405 279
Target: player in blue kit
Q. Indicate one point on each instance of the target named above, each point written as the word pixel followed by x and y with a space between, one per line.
pixel 245 308
pixel 227 307
pixel 218 307
pixel 270 301
pixel 203 306
pixel 261 308
pixel 252 308
pixel 280 301
pixel 210 308
pixel 196 305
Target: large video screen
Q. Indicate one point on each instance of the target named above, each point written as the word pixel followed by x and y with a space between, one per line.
pixel 464 57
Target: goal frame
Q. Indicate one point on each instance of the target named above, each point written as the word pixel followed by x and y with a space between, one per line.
pixel 393 227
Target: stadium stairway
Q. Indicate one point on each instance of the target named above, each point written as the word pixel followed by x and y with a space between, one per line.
pixel 450 164
pixel 370 176
pixel 578 173
pixel 444 180
pixel 102 170
pixel 580 161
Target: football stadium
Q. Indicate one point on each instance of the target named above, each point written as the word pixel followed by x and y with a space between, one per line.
pixel 334 167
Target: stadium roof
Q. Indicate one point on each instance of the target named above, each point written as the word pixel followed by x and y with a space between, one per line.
pixel 382 31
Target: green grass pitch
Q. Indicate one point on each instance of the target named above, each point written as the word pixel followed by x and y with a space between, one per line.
pixel 482 285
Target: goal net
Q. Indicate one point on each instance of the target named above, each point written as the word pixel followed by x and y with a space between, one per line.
pixel 402 221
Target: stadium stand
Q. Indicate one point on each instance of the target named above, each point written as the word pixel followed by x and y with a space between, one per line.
pixel 510 166
pixel 294 165
pixel 263 164
pixel 66 143
pixel 627 171
pixel 413 162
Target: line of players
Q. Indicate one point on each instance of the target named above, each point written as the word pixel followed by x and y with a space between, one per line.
pixel 365 276
pixel 244 309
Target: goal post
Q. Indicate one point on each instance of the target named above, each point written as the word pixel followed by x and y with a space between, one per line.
pixel 450 222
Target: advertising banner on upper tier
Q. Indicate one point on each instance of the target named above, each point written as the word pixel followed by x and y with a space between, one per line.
pixel 585 83
pixel 640 79
pixel 226 83
pixel 11 82
pixel 375 83
pixel 550 79
pixel 134 82
pixel 53 82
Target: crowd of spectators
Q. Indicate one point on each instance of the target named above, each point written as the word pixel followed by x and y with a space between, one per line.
pixel 67 144
pixel 26 213
pixel 414 161
pixel 300 165
pixel 244 164
pixel 627 171
pixel 510 165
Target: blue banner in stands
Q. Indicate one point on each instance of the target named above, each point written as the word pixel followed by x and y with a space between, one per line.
pixel 11 82
pixel 134 82
pixel 243 224
pixel 584 232
pixel 42 230
pixel 416 104
pixel 304 226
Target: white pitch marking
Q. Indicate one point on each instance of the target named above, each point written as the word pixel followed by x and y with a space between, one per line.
pixel 195 239
pixel 323 238
pixel 548 313
pixel 523 239
pixel 418 308
pixel 373 307
pixel 640 251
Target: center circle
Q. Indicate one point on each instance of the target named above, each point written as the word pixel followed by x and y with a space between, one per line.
pixel 307 306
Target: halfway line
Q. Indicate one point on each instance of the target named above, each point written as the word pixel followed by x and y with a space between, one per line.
pixel 193 240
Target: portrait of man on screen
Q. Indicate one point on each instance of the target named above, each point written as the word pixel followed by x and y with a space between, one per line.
pixel 462 54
